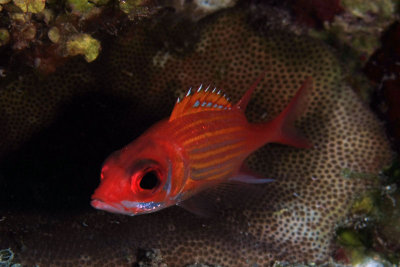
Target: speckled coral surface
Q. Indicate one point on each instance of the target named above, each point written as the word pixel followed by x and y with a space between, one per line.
pixel 292 219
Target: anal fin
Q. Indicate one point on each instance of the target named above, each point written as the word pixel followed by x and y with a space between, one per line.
pixel 248 176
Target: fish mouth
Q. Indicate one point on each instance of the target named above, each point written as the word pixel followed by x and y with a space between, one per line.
pixel 127 207
pixel 113 208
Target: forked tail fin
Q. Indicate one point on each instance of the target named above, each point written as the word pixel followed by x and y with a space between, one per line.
pixel 281 129
pixel 242 103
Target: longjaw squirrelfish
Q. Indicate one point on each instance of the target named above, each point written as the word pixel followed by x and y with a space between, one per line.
pixel 201 145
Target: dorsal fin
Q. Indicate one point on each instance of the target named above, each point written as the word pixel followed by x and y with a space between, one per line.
pixel 200 100
pixel 242 103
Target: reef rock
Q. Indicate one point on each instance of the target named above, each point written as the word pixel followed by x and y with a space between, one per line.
pixel 292 219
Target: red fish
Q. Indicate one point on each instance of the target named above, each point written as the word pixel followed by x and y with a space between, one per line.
pixel 202 144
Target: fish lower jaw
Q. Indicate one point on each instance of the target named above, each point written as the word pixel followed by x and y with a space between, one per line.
pixel 115 208
pixel 127 207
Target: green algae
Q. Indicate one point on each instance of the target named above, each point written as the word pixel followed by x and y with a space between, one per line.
pixel 135 9
pixel 100 2
pixel 357 32
pixel 80 6
pixel 363 205
pixel 33 6
pixel 83 44
pixel 201 265
pixel 350 174
pixel 287 264
pixel 62 19
pixel 392 172
pixel 85 7
pixel 4 36
pixel 54 34
pixel 373 232
pixel 128 6
pixel 347 237
pixel 361 8
pixel 362 23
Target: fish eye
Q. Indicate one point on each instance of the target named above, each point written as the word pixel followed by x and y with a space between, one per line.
pixel 149 180
pixel 146 178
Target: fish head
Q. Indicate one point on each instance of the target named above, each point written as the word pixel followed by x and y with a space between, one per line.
pixel 145 176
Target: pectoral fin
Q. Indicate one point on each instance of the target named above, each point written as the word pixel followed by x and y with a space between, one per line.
pixel 202 204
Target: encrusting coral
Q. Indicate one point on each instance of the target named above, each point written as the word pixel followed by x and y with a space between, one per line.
pixel 292 219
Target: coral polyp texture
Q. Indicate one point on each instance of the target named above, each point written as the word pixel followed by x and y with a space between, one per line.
pixel 290 220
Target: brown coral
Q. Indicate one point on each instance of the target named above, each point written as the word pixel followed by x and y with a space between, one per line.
pixel 292 219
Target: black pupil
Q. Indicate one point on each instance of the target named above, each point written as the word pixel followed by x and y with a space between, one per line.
pixel 149 180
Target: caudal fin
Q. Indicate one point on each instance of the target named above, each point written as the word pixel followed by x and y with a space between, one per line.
pixel 242 103
pixel 281 129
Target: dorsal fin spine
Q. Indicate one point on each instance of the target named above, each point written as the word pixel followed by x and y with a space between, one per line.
pixel 200 99
pixel 189 92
